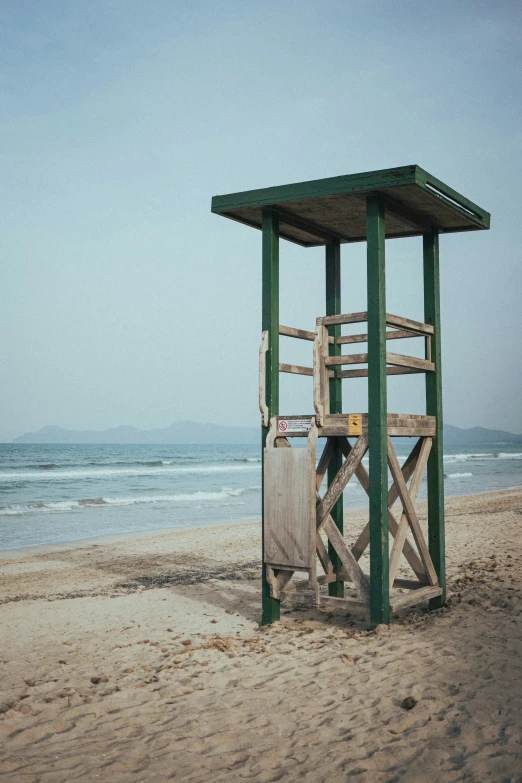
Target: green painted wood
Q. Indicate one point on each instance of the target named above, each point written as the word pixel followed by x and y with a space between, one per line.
pixel 349 183
pixel 270 323
pixel 436 537
pixel 377 412
pixel 462 204
pixel 333 307
pixel 360 183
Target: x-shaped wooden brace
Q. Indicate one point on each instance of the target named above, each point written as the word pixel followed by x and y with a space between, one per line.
pixel 415 466
pixel 325 521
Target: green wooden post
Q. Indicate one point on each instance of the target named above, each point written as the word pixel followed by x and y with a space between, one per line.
pixel 377 412
pixel 270 323
pixel 333 307
pixel 434 408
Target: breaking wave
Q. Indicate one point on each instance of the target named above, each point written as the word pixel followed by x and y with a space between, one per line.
pixel 153 469
pixel 72 505
pixel 481 456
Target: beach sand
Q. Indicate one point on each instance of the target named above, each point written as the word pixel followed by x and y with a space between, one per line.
pixel 141 658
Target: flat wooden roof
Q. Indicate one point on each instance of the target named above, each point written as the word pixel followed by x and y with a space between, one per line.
pixel 318 212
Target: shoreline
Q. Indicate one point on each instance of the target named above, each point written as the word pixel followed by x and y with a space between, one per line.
pixel 129 536
pixel 117 538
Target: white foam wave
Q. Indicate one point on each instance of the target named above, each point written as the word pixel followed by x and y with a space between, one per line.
pixel 34 508
pixel 180 498
pixel 507 455
pixel 59 475
pixel 457 475
pixel 464 457
pixel 71 505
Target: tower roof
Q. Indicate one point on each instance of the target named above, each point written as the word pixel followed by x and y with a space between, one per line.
pixel 323 210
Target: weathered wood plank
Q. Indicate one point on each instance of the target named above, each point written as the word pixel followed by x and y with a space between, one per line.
pixel 278 568
pixel 348 339
pixel 398 425
pixel 304 584
pixel 364 538
pixel 391 320
pixel 345 318
pixel 400 360
pixel 363 373
pixel 287 507
pixel 404 584
pixel 270 576
pixel 408 323
pixel 344 475
pixel 312 492
pixel 324 557
pixel 351 566
pixel 296 369
pixel 392 417
pixel 301 334
pixel 414 430
pixel 354 358
pixel 402 530
pixel 415 597
pixel 322 467
pixel 410 513
pixel 263 407
pixel 321 373
pixel 277 581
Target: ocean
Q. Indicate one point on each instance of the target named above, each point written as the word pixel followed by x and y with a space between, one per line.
pixel 56 493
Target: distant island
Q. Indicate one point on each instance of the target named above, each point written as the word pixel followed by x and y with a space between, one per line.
pixel 199 433
pixel 180 432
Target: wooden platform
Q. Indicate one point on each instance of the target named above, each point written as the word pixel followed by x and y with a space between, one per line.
pixel 334 209
pixel 353 424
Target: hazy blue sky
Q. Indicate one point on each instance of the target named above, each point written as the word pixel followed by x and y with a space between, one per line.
pixel 125 301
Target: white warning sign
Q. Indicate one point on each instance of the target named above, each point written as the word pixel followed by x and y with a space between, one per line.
pixel 294 425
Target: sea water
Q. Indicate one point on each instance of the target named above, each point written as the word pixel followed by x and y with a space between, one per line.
pixel 54 493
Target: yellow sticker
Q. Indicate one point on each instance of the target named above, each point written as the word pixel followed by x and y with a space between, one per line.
pixel 354 424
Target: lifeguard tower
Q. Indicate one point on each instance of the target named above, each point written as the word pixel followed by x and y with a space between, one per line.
pixel 371 207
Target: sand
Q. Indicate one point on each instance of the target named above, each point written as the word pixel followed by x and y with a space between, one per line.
pixel 140 658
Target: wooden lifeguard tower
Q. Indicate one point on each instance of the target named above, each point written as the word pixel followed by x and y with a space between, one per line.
pixel 372 206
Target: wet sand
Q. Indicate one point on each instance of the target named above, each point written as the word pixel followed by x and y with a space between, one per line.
pixel 140 658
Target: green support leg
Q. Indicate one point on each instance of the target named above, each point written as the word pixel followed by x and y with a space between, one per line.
pixel 270 323
pixel 333 307
pixel 434 408
pixel 377 413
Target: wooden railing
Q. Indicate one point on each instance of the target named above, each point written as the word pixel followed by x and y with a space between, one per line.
pixel 323 364
pixel 397 363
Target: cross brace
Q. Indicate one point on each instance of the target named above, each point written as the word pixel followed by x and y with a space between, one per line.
pixel 413 468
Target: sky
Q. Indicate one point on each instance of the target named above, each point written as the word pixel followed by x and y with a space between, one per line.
pixel 125 301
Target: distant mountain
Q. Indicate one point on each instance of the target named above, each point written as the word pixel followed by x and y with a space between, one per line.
pixel 196 432
pixel 474 436
pixel 180 432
